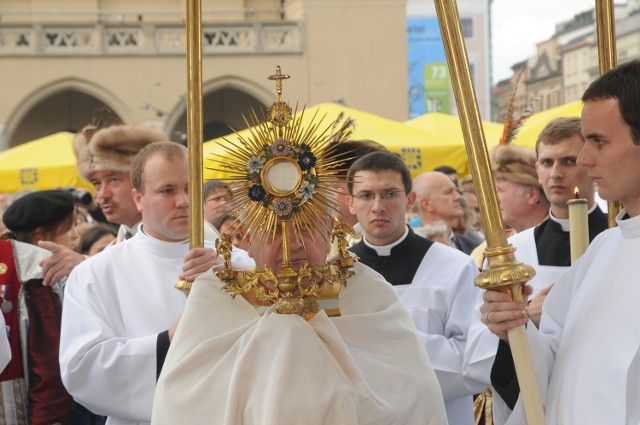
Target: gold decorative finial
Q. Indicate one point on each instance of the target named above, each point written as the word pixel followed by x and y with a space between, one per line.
pixel 280 112
pixel 279 76
pixel 283 181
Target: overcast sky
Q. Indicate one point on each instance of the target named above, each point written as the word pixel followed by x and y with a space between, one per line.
pixel 519 24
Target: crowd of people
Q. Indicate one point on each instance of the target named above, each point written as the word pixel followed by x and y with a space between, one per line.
pixel 97 332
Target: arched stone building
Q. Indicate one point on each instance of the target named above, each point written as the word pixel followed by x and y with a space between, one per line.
pixel 58 65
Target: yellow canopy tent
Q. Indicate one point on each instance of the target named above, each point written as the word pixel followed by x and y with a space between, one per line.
pixel 45 163
pixel 528 134
pixel 421 150
pixel 449 128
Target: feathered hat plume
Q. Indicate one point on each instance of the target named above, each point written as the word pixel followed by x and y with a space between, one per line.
pixel 512 124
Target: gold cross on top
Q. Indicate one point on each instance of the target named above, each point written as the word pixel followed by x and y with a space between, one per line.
pixel 278 76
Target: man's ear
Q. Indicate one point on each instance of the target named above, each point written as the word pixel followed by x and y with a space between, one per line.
pixel 423 204
pixel 411 199
pixel 535 195
pixel 349 200
pixel 137 199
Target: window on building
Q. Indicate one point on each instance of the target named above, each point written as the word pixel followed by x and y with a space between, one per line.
pixel 467 27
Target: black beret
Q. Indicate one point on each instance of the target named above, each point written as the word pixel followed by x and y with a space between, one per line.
pixel 38 209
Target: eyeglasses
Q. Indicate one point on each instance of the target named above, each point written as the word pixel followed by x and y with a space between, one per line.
pixel 385 195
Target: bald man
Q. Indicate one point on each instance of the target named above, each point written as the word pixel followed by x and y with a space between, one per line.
pixel 438 199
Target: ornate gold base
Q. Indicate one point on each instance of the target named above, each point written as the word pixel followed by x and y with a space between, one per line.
pixel 292 292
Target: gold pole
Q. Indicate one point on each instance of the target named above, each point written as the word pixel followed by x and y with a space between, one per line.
pixel 194 126
pixel 503 272
pixel 607 56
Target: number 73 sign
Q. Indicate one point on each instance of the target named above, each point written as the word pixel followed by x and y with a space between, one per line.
pixel 437 87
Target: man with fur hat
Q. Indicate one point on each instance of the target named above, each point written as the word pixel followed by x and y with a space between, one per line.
pixel 106 164
pixel 104 158
pixel 522 201
pixel 522 205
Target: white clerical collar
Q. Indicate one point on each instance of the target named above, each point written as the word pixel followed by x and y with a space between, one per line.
pixel 564 222
pixel 385 250
pixel 142 232
pixel 629 226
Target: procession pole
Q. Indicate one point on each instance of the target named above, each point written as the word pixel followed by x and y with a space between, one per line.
pixel 607 58
pixel 194 127
pixel 504 273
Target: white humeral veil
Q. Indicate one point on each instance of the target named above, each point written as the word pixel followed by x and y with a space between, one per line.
pixel 229 366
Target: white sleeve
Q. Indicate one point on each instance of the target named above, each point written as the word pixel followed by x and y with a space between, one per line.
pixel 107 373
pixel 441 314
pixel 480 350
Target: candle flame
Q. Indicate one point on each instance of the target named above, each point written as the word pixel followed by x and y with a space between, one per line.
pixel 576 192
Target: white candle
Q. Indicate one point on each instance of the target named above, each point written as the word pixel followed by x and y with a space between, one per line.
pixel 578 226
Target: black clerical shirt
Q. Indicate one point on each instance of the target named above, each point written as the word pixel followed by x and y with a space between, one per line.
pixel 401 265
pixel 552 243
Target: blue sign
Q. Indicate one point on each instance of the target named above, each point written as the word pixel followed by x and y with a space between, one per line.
pixel 429 83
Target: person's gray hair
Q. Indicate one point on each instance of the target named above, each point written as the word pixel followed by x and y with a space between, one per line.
pixel 431 230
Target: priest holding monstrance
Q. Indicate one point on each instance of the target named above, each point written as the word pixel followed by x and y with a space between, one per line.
pixel 587 349
pixel 300 339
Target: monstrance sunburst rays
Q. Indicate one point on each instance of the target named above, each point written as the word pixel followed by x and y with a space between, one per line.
pixel 260 217
pixel 285 171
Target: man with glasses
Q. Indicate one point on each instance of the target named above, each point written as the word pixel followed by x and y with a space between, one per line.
pixel 434 281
